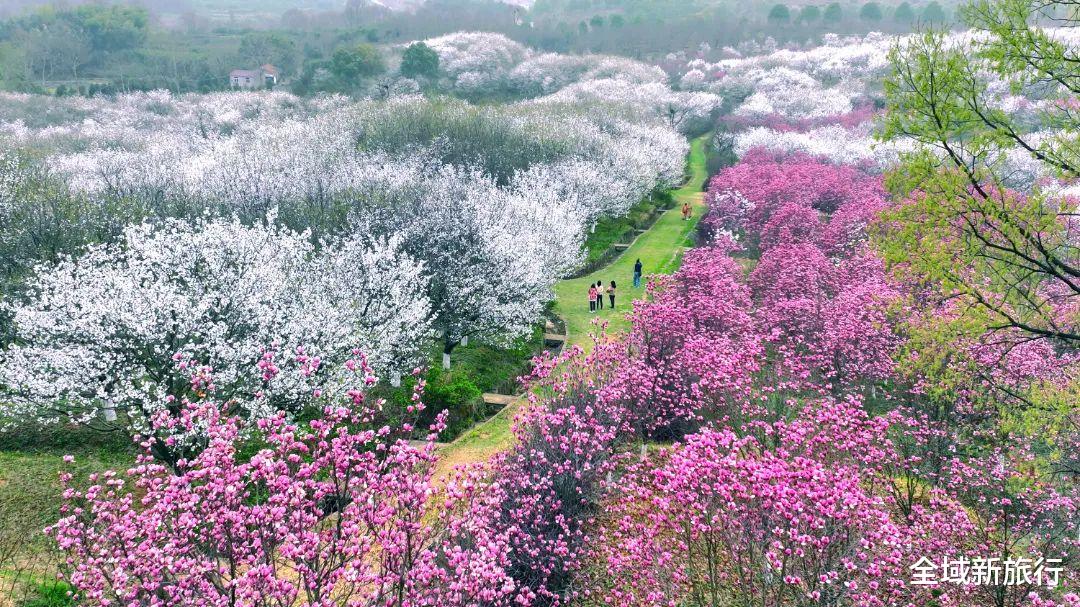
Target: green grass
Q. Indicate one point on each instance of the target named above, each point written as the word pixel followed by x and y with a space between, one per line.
pixel 660 250
pixel 49 594
pixel 611 230
pixel 30 495
pixel 479 443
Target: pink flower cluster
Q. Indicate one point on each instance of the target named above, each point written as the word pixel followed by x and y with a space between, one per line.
pixel 765 188
pixel 325 513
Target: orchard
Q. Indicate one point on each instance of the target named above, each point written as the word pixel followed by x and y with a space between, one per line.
pixel 856 389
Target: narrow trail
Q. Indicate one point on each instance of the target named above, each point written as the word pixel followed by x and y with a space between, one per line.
pixel 660 249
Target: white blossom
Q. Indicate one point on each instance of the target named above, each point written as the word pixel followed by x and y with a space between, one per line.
pixel 123 326
pixel 684 111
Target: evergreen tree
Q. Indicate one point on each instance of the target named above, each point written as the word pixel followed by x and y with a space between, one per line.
pixel 871 11
pixel 833 13
pixel 420 60
pixel 779 14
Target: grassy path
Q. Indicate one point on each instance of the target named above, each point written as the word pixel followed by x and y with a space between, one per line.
pixel 660 250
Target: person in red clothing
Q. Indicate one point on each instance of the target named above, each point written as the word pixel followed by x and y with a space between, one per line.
pixel 686 211
pixel 592 297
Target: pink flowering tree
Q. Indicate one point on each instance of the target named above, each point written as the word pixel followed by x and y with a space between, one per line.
pixel 1020 513
pixel 746 195
pixel 721 520
pixel 541 495
pixel 692 349
pixel 331 512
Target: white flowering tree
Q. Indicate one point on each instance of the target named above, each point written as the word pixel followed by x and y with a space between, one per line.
pixel 493 202
pixel 491 255
pixel 546 73
pixel 115 335
pixel 684 111
pixel 477 62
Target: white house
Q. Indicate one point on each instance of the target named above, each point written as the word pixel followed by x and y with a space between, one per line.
pixel 264 77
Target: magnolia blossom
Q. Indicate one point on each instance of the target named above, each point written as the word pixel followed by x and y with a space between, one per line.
pixel 322 511
pixel 796 469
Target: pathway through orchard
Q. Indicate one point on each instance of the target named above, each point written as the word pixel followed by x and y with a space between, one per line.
pixel 660 250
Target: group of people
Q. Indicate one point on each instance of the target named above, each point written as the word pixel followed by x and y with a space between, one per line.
pixel 596 291
pixel 596 295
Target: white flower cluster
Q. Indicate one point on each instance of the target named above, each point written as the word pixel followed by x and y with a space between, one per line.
pixel 796 95
pixel 483 63
pixel 548 73
pixel 71 124
pixel 118 329
pixel 820 101
pixel 852 146
pixel 864 59
pixel 685 111
pixel 274 157
pixel 477 60
pixel 425 239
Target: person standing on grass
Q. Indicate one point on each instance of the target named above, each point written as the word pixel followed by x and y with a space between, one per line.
pixel 592 297
pixel 611 294
pixel 686 211
pixel 599 295
pixel 637 274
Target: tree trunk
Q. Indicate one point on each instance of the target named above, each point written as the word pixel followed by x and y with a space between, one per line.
pixel 448 347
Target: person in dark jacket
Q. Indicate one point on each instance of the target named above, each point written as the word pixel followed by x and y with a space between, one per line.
pixel 637 274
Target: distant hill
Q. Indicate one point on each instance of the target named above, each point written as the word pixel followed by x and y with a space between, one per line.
pixel 223 9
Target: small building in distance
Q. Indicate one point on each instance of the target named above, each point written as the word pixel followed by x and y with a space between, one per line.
pixel 264 77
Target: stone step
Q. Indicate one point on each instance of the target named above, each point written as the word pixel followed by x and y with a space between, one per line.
pixel 554 338
pixel 620 246
pixel 502 400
